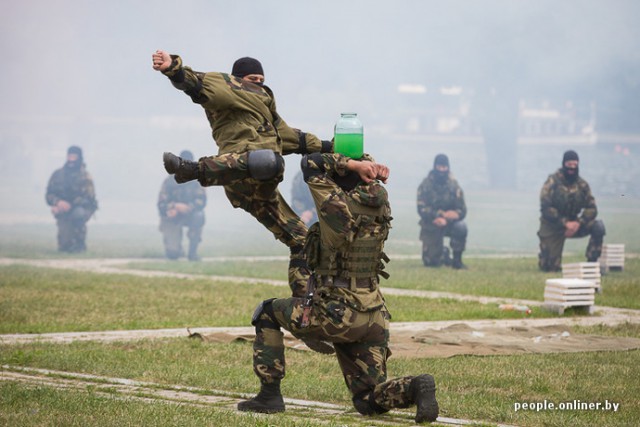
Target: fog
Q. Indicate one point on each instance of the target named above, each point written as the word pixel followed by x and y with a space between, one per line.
pixel 79 73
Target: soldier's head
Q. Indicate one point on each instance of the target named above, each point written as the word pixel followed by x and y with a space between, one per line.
pixel 441 167
pixel 187 155
pixel 74 157
pixel 248 69
pixel 570 162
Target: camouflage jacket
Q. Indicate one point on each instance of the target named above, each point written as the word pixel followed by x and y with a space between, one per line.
pixel 190 193
pixel 242 115
pixel 73 186
pixel 435 198
pixel 561 201
pixel 345 219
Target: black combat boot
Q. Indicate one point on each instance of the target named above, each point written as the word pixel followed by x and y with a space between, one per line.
pixel 457 261
pixel 446 257
pixel 268 401
pixel 422 390
pixel 184 170
pixel 193 251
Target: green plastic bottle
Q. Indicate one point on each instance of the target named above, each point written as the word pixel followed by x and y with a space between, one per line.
pixel 349 136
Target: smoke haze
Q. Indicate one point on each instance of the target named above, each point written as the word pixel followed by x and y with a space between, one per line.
pixel 79 72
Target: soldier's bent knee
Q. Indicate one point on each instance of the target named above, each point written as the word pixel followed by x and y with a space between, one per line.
pixel 459 230
pixel 265 164
pixel 263 316
pixel 598 230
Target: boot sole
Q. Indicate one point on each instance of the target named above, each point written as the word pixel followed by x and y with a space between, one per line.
pixel 426 402
pixel 250 407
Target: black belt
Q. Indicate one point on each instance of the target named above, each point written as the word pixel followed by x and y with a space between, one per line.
pixel 345 282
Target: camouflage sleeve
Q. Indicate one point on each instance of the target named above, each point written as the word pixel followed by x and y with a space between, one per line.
pixel 590 211
pixel 87 196
pixel 337 225
pixel 163 198
pixel 461 206
pixel 53 195
pixel 547 210
pixel 199 199
pixel 294 141
pixel 186 80
pixel 425 210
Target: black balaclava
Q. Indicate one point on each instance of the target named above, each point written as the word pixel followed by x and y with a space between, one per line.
pixel 187 155
pixel 245 66
pixel 74 165
pixel 441 160
pixel 566 172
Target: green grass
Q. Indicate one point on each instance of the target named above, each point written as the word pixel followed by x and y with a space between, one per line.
pixel 41 300
pixel 471 387
pixel 517 278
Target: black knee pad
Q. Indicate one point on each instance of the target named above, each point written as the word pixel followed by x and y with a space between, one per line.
pixel 197 219
pixel 311 165
pixel 459 230
pixel 598 231
pixel 268 321
pixel 264 164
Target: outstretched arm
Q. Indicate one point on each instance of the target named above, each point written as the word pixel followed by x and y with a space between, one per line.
pixel 161 60
pixel 183 78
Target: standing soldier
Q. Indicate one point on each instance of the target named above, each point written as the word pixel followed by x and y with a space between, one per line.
pixel 442 210
pixel 72 198
pixel 181 205
pixel 344 304
pixel 251 138
pixel 568 210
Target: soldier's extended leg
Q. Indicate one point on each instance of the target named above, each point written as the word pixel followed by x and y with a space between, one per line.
pixel 194 233
pixel 596 231
pixel 551 246
pixel 265 203
pixel 458 233
pixel 432 244
pixel 261 165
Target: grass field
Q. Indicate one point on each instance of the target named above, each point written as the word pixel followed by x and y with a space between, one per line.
pixel 40 300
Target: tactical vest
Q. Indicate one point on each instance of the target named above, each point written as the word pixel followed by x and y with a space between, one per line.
pixel 363 255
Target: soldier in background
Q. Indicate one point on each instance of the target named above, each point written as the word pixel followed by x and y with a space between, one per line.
pixel 252 138
pixel 181 205
pixel 568 210
pixel 344 305
pixel 302 202
pixel 71 195
pixel 442 209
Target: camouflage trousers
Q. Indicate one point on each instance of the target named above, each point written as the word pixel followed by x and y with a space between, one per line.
pixel 552 243
pixel 171 229
pixel 263 201
pixel 72 230
pixel 433 236
pixel 359 338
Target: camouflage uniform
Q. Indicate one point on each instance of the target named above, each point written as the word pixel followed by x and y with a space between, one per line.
pixel 243 118
pixel 434 198
pixel 193 195
pixel 561 201
pixel 345 253
pixel 76 187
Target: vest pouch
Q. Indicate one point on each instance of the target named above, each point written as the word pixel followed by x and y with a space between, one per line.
pixel 312 246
